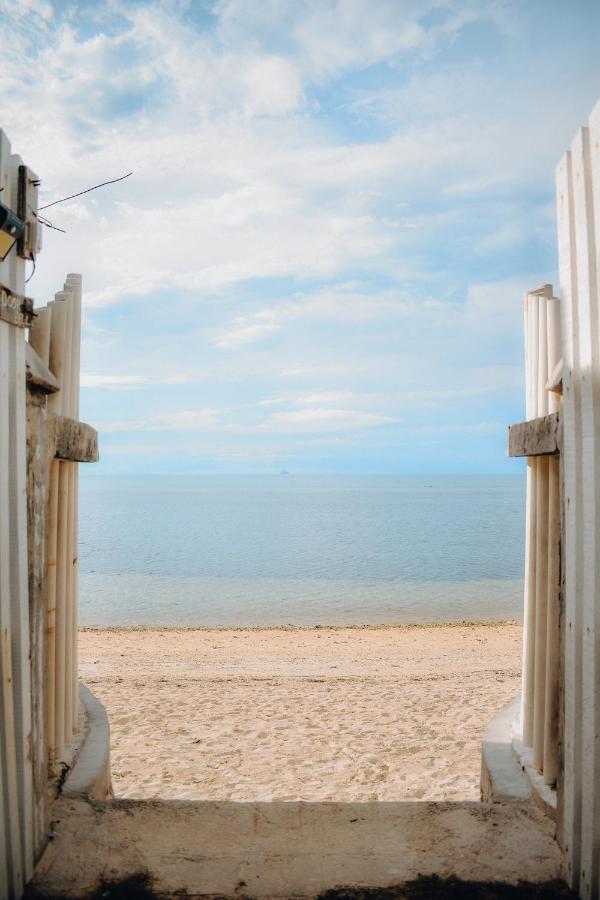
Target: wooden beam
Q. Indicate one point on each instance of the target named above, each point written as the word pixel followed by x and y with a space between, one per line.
pixel 74 440
pixel 538 437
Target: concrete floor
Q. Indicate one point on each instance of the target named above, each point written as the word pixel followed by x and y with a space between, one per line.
pixel 293 850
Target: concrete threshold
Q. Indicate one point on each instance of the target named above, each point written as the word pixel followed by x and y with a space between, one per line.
pixel 288 850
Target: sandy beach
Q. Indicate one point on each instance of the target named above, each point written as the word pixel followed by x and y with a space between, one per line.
pixel 366 713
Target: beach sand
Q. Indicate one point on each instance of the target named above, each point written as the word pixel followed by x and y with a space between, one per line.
pixel 367 713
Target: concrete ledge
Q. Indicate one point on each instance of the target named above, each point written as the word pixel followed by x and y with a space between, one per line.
pixel 537 437
pixel 75 440
pixel 89 778
pixel 543 794
pixel 502 777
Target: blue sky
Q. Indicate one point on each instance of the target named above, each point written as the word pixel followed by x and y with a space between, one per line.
pixel 318 264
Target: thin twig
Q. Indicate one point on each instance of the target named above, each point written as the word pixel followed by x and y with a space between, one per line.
pixel 87 191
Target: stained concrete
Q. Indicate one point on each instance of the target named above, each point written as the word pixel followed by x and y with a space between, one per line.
pixel 502 776
pixel 285 850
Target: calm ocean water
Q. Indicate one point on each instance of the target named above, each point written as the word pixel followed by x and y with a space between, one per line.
pixel 273 550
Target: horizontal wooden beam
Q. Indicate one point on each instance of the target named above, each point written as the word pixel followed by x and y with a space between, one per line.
pixel 75 440
pixel 538 437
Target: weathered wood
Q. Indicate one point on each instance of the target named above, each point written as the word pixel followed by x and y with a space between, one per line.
pixel 38 480
pixel 550 766
pixel 38 373
pixel 538 437
pixel 569 782
pixel 589 349
pixel 74 440
pixel 15 308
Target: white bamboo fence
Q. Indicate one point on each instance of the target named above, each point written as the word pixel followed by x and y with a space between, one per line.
pixel 16 813
pixel 55 336
pixel 578 205
pixel 542 542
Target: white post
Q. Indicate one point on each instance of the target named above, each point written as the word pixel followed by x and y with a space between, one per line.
pixel 74 283
pixel 57 523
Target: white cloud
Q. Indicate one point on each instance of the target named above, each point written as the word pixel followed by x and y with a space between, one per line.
pixel 186 420
pixel 89 380
pixel 245 333
pixel 331 36
pixel 323 420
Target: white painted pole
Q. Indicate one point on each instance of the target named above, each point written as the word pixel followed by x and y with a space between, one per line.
pixel 57 534
pixel 550 756
pixel 74 282
pixel 51 617
pixel 39 338
pixel 541 547
pixel 14 859
pixel 4 847
pixel 529 630
pixel 554 348
pixel 39 334
pixel 67 559
pixel 569 824
pixel 527 599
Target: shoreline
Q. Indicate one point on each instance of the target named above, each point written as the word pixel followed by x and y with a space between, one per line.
pixel 484 623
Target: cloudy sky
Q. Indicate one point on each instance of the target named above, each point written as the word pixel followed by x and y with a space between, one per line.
pixel 336 205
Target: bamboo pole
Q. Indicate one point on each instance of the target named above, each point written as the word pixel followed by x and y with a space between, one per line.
pixel 550 754
pixel 4 847
pixel 9 789
pixel 74 283
pixel 529 630
pixel 39 338
pixel 527 598
pixel 51 617
pixel 541 547
pixel 39 334
pixel 56 538
pixel 66 559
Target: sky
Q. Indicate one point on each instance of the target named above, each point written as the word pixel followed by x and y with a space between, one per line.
pixel 336 206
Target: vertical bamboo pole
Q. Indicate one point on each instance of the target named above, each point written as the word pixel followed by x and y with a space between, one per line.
pixel 550 757
pixel 66 559
pixel 57 526
pixel 51 716
pixel 39 338
pixel 39 334
pixel 529 630
pixel 541 547
pixel 4 847
pixel 527 599
pixel 571 787
pixel 14 860
pixel 74 282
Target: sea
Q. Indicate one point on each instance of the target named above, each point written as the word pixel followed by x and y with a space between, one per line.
pixel 252 550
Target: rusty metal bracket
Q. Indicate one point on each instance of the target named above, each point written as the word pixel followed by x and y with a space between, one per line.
pixel 15 308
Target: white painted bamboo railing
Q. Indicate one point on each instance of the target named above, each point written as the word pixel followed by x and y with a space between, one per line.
pixel 16 811
pixel 542 542
pixel 55 336
pixel 578 207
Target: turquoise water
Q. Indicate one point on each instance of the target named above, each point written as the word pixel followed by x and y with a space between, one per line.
pixel 276 550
